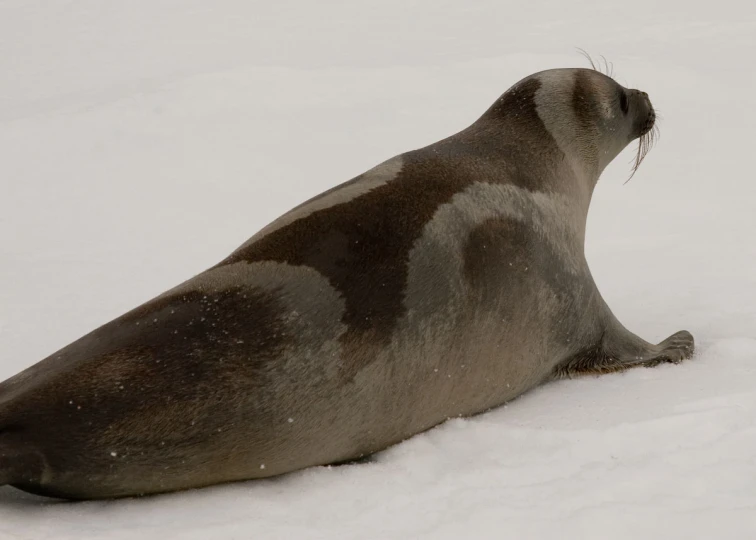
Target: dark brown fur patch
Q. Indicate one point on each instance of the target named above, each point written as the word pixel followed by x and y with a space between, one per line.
pixel 503 255
pixel 497 244
pixel 511 135
pixel 199 360
pixel 362 246
pixel 584 105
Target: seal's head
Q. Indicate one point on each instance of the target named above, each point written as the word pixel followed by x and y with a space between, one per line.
pixel 590 116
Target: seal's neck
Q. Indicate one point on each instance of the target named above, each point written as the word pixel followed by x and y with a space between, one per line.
pixel 528 157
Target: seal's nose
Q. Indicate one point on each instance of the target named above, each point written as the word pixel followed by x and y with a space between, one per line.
pixel 645 116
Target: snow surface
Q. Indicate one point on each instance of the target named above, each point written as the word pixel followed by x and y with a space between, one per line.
pixel 141 141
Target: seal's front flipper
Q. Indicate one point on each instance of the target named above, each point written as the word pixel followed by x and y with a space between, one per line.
pixel 620 349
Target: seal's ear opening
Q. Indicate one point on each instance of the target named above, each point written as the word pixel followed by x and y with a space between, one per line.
pixel 624 102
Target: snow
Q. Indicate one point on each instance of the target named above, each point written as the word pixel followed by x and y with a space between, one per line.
pixel 142 141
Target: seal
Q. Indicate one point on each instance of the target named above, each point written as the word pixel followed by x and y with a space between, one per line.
pixel 441 283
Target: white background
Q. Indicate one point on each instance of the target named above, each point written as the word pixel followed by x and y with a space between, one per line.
pixel 141 141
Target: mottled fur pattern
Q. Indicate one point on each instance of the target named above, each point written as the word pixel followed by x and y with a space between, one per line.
pixel 443 282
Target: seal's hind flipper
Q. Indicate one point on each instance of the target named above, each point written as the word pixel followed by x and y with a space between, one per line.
pixel 620 349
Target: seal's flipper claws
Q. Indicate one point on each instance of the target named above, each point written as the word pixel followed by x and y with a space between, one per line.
pixel 621 350
pixel 674 349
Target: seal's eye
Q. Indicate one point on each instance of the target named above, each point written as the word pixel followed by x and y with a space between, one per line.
pixel 623 102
